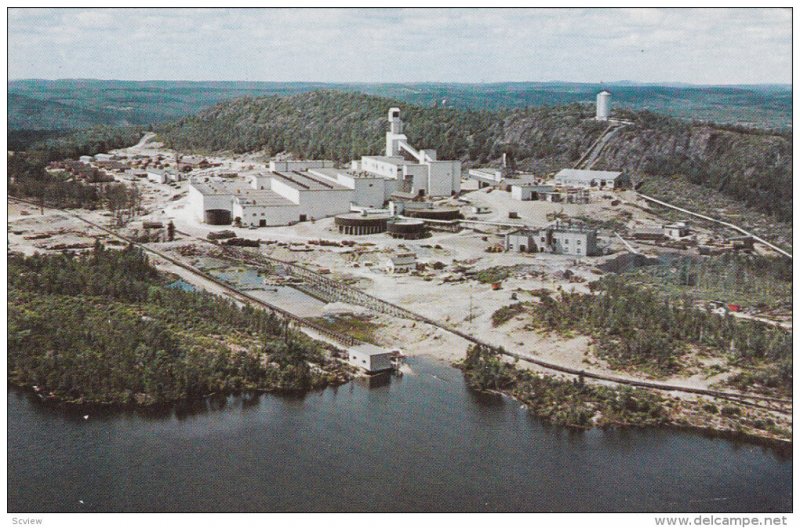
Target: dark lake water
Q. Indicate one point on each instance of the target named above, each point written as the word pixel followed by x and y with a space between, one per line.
pixel 422 442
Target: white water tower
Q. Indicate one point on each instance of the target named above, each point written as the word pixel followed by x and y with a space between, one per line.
pixel 603 106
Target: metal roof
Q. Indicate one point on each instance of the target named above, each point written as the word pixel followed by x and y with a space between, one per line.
pixel 586 175
pixel 305 181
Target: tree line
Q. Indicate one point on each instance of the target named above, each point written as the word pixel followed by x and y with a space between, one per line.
pixel 105 327
pixel 634 326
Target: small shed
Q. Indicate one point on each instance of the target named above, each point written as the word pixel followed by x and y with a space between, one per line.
pixel 369 358
pixel 401 263
pixel 677 230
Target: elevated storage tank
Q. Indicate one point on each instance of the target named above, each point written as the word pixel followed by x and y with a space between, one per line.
pixel 603 106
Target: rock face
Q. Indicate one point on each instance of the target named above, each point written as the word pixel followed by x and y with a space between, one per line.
pixel 752 166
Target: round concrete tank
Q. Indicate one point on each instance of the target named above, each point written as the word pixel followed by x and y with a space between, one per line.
pixel 603 106
pixel 439 213
pixel 357 224
pixel 408 229
pixel 218 217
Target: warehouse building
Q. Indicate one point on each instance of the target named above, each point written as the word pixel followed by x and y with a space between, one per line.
pixel 590 178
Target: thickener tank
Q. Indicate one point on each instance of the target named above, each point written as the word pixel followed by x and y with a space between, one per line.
pixel 603 106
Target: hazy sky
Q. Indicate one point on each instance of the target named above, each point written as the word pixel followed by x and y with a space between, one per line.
pixel 724 46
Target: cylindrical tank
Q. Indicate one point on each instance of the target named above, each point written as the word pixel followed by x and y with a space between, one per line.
pixel 603 106
pixel 408 229
pixel 357 224
pixel 441 213
pixel 218 217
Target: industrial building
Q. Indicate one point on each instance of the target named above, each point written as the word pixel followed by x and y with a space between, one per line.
pixel 674 231
pixel 603 111
pixel 590 178
pixel 558 238
pixel 369 358
pixel 300 190
pixel 406 169
pixel 531 191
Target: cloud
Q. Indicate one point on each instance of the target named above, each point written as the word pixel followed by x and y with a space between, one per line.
pixel 403 45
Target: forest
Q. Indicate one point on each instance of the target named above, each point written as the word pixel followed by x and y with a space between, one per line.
pixel 749 280
pixel 104 327
pixel 63 103
pixel 28 176
pixel 561 402
pixel 634 326
pixel 581 405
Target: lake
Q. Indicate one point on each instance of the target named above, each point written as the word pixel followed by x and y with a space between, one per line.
pixel 420 442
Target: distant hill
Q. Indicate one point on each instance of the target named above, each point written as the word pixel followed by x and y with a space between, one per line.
pixel 751 166
pixel 30 113
pixel 78 103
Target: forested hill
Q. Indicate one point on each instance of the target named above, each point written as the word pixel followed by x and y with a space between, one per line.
pixel 754 167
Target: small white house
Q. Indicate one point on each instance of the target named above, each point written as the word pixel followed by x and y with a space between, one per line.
pixel 677 230
pixel 86 159
pixel 401 263
pixel 369 358
pixel 103 157
pixel 162 176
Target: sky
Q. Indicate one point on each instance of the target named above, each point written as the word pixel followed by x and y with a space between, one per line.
pixel 705 46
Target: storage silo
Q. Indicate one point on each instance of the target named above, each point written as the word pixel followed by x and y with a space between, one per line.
pixel 603 106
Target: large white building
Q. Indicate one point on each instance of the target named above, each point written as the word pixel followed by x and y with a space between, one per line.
pixel 406 169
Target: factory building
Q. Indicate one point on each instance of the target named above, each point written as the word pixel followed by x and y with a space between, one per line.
pixel 590 178
pixel 406 169
pixel 299 165
pixel 558 238
pixel 603 106
pixel 300 190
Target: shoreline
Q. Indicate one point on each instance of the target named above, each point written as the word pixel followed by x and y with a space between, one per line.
pixel 784 447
